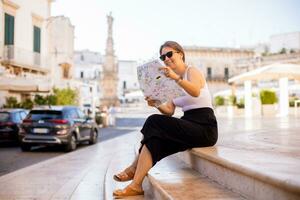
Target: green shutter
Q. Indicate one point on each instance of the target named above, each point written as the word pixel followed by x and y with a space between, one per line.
pixel 36 39
pixel 9 29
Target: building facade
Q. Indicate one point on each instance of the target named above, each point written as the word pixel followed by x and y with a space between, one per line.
pixel 128 81
pixel 24 55
pixel 217 64
pixel 87 65
pixel 61 51
pixel 88 69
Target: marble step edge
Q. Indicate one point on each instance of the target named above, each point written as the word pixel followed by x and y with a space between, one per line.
pixel 289 186
pixel 157 190
pixel 107 185
pixel 201 162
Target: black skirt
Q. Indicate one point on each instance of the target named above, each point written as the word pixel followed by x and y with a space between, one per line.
pixel 165 135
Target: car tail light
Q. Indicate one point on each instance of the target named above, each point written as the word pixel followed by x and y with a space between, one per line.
pixel 27 121
pixel 59 121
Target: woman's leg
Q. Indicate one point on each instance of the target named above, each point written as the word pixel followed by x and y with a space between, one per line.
pixel 128 173
pixel 133 165
pixel 144 164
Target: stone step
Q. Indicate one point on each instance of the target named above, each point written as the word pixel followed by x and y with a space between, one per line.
pixel 253 173
pixel 171 179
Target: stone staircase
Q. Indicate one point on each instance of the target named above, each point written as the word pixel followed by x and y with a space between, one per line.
pixel 221 172
pixel 261 176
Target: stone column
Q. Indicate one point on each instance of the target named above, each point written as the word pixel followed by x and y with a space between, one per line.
pixel 283 97
pixel 248 98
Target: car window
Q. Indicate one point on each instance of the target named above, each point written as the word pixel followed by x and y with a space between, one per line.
pixel 44 115
pixel 16 117
pixel 23 114
pixel 4 116
pixel 72 114
pixel 81 114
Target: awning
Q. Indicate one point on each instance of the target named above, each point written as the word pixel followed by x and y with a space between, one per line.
pixel 269 72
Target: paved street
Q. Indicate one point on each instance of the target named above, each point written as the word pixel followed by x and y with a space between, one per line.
pixel 12 158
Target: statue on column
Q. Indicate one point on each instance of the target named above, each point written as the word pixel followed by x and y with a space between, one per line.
pixel 109 79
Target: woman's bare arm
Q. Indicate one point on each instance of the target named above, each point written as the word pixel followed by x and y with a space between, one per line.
pixel 194 83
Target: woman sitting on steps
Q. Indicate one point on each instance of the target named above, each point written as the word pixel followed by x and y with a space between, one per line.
pixel 165 135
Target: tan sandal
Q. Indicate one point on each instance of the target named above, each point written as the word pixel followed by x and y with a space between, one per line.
pixel 124 176
pixel 126 192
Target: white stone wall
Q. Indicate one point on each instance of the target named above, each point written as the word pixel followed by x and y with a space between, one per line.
pixel 87 56
pixel 26 14
pixel 24 23
pixel 88 62
pixel 127 73
pixel 89 71
pixel 287 40
pixel 61 46
pixel 1 30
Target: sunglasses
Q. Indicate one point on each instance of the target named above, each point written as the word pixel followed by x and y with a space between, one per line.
pixel 168 54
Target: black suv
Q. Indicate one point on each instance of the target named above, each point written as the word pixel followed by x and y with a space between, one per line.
pixel 10 120
pixel 65 125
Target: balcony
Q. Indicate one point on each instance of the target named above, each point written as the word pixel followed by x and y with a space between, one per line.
pixel 24 59
pixel 30 83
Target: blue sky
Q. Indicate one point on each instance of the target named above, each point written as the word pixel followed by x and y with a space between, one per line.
pixel 141 26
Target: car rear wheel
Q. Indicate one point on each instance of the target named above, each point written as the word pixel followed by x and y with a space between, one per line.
pixel 93 137
pixel 25 147
pixel 72 144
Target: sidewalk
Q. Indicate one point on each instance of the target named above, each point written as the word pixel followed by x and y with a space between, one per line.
pixel 76 175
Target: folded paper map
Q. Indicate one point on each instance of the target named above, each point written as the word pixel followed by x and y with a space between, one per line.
pixel 155 84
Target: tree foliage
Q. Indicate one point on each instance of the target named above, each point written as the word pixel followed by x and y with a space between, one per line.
pixel 65 96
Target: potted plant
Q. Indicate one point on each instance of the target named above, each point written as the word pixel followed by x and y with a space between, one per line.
pixel 268 100
pixel 219 102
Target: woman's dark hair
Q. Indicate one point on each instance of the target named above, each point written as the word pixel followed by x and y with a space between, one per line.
pixel 173 45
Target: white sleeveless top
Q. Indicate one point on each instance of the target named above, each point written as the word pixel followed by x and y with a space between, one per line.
pixel 188 102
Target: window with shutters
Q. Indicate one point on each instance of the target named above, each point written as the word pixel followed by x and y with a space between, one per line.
pixel 9 29
pixel 36 39
pixel 209 74
pixel 226 72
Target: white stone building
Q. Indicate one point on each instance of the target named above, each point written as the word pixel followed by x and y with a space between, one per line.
pixel 289 41
pixel 87 70
pixel 127 74
pixel 87 65
pixel 24 55
pixel 61 50
pixel 217 64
